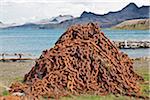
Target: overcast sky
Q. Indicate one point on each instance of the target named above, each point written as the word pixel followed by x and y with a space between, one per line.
pixel 21 11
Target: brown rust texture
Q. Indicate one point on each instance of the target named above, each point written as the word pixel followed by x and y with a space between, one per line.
pixel 82 61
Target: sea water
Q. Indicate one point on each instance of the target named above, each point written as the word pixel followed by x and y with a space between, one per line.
pixel 34 41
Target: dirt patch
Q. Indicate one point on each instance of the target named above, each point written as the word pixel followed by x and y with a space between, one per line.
pixel 13 71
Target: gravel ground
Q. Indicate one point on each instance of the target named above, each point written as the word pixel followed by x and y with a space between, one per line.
pixel 13 71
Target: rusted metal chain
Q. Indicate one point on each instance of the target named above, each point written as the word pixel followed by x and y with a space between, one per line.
pixel 82 61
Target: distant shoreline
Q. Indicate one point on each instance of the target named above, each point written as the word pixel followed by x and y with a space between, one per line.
pixel 122 45
pixel 31 58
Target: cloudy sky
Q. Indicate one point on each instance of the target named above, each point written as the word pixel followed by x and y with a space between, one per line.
pixel 21 11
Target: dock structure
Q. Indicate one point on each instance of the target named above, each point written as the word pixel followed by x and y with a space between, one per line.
pixel 120 44
pixel 132 44
pixel 5 57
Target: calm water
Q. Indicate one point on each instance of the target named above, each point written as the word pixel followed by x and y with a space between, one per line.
pixel 34 41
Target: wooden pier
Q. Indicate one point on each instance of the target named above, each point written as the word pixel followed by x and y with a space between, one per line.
pixel 132 44
pixel 5 57
pixel 120 44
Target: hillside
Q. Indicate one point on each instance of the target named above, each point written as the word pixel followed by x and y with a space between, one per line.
pixel 137 24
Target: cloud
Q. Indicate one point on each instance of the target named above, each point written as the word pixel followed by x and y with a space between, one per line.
pixel 33 10
pixel 14 12
pixel 76 1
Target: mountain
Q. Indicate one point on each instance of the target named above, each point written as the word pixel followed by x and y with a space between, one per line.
pixel 55 20
pixel 108 20
pixel 136 24
pixel 3 25
pixel 131 11
pixel 62 18
pixel 37 24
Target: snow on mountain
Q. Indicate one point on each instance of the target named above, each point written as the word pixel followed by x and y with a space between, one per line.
pixel 55 20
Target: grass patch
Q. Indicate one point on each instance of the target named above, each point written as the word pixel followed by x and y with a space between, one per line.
pixel 19 79
pixel 145 87
pixel 5 93
pixel 144 73
pixel 95 97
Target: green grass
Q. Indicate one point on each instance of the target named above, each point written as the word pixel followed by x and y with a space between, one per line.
pixel 145 89
pixel 19 79
pixel 5 93
pixel 144 72
pixel 95 97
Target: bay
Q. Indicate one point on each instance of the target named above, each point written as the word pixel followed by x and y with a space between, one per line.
pixel 34 41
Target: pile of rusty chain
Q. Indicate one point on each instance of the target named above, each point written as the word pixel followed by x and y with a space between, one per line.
pixel 82 61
